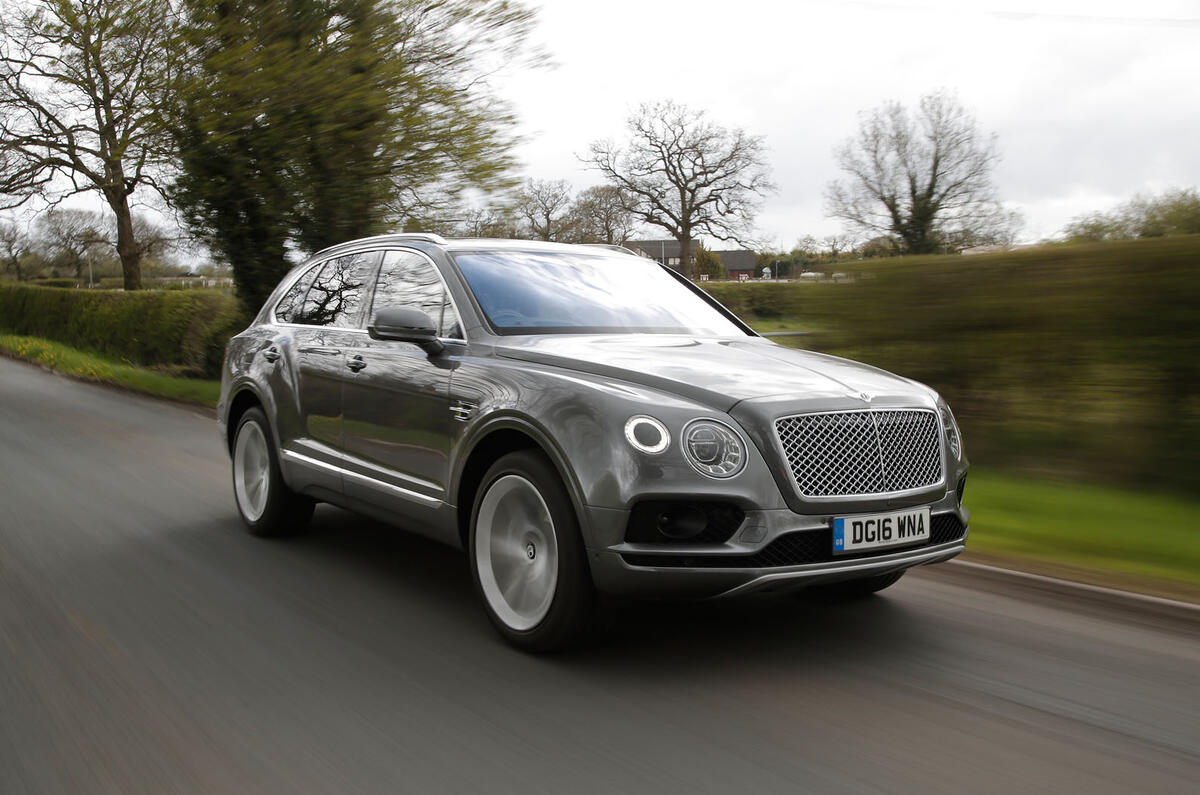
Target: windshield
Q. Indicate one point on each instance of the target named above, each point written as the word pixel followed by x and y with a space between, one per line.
pixel 535 292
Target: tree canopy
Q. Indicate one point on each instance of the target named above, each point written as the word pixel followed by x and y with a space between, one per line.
pixel 923 178
pixel 82 87
pixel 1174 212
pixel 304 123
pixel 683 173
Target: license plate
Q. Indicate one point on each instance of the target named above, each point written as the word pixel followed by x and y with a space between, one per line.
pixel 880 530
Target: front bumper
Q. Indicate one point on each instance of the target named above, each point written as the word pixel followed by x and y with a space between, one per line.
pixel 629 569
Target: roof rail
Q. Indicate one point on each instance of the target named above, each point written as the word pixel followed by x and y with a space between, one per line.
pixel 430 236
pixel 612 247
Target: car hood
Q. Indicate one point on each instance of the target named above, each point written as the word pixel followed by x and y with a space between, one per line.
pixel 721 372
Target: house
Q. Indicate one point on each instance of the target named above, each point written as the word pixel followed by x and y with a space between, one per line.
pixel 739 263
pixel 664 252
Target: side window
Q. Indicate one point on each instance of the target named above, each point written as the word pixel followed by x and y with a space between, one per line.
pixel 336 295
pixel 289 306
pixel 408 279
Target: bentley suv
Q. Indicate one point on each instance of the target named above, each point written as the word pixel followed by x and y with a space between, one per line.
pixel 581 421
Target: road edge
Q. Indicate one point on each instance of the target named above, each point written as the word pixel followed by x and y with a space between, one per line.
pixel 1080 591
pixel 199 408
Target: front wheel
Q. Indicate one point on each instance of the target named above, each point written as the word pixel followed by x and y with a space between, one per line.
pixel 527 556
pixel 267 506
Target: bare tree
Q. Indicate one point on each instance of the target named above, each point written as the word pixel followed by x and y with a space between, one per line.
pixel 496 220
pixel 924 178
pixel 544 204
pixel 70 237
pixel 601 215
pixel 15 246
pixel 82 84
pixel 686 175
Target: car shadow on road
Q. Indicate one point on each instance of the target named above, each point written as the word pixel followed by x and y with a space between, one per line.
pixel 669 638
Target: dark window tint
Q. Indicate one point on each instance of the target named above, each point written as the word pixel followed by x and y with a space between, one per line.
pixel 408 279
pixel 336 295
pixel 289 306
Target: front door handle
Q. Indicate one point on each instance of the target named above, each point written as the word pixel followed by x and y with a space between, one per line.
pixel 271 354
pixel 356 363
pixel 321 351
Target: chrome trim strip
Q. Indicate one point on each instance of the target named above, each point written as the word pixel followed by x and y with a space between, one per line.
pixel 441 277
pixel 869 565
pixel 378 485
pixel 301 272
pixel 357 461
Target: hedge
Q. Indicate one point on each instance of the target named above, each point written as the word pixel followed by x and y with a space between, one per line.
pixel 182 330
pixel 1075 360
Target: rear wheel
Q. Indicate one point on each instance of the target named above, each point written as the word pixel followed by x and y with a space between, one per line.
pixel 857 589
pixel 267 506
pixel 527 556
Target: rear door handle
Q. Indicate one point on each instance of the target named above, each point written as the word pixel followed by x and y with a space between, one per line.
pixel 356 363
pixel 321 351
pixel 271 354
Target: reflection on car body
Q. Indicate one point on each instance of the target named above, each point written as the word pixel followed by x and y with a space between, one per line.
pixel 582 422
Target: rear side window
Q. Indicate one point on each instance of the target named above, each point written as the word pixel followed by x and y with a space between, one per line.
pixel 336 294
pixel 289 306
pixel 408 279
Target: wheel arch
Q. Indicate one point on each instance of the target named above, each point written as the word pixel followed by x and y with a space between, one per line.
pixel 488 444
pixel 244 398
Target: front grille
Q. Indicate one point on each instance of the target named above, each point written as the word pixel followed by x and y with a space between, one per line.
pixel 852 453
pixel 799 548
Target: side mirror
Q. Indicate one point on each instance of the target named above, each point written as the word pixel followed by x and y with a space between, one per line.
pixel 405 324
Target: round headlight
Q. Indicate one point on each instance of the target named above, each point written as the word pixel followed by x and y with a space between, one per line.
pixel 714 449
pixel 647 434
pixel 953 437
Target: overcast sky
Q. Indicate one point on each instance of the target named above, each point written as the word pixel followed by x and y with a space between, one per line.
pixel 1092 101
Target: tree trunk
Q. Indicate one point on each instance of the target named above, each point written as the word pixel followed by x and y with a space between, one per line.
pixel 685 252
pixel 127 249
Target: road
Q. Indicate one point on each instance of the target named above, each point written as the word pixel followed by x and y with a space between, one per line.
pixel 148 645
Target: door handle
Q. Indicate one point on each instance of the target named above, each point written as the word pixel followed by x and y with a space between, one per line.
pixel 356 363
pixel 271 354
pixel 320 350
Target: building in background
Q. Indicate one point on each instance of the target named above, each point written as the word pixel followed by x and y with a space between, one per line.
pixel 739 263
pixel 664 252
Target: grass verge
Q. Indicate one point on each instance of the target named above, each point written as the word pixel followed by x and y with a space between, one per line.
pixel 1108 536
pixel 90 367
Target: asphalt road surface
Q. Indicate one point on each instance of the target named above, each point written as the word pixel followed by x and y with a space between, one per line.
pixel 148 645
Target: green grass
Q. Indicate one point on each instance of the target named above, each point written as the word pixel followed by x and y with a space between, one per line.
pixel 90 367
pixel 1117 531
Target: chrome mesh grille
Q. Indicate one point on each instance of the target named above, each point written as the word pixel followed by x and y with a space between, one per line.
pixel 849 453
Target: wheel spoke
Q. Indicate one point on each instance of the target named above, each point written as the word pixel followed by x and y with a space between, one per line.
pixel 516 552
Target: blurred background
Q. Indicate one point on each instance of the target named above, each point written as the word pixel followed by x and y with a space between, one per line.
pixel 1001 200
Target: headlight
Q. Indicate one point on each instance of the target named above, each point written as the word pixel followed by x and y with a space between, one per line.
pixel 713 449
pixel 953 437
pixel 647 434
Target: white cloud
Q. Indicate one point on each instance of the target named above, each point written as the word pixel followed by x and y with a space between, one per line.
pixel 1092 101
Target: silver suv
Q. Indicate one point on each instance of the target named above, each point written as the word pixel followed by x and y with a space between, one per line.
pixel 580 421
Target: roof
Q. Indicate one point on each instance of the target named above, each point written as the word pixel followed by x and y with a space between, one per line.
pixel 470 244
pixel 741 259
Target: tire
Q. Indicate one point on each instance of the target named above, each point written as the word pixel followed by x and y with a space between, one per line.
pixel 856 589
pixel 267 506
pixel 527 556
